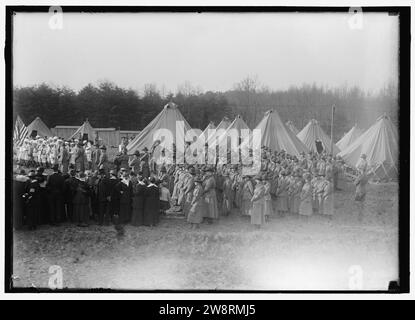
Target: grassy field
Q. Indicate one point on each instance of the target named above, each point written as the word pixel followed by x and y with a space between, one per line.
pixel 288 253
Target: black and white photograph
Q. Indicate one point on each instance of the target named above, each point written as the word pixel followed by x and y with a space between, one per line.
pixel 203 149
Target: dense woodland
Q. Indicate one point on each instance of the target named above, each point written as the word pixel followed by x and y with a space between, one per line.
pixel 108 105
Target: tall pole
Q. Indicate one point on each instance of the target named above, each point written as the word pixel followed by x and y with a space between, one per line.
pixel 333 107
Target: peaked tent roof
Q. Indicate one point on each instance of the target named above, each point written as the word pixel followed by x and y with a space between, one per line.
pixel 41 128
pixel 292 127
pixel 349 137
pixel 380 144
pixel 312 132
pixel 277 136
pixel 220 129
pixel 238 124
pixel 205 133
pixel 166 119
pixel 86 128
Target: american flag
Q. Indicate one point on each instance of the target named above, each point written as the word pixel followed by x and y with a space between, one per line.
pixel 20 132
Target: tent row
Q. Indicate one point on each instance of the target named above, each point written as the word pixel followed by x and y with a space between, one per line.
pixel 379 143
pixel 108 136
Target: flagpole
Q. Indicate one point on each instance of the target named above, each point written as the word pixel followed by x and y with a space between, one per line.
pixel 333 107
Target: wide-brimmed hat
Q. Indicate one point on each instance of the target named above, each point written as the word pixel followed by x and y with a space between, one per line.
pixel 103 147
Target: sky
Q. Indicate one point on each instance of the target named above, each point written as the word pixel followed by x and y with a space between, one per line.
pixel 213 51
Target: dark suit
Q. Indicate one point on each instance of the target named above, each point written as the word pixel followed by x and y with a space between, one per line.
pixel 70 186
pixel 151 206
pixel 103 193
pixel 55 187
pixel 124 194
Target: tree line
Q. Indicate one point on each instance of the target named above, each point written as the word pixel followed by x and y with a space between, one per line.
pixel 107 105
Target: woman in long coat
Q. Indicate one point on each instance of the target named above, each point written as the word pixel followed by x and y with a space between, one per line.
pixel 227 194
pixel 209 186
pixel 267 197
pixel 81 207
pixel 139 190
pixel 124 189
pixel 247 194
pixel 151 204
pixel 306 197
pixel 328 205
pixel 198 205
pixel 282 193
pixel 258 204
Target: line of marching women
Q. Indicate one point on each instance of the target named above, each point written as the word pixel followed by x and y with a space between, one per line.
pixel 136 191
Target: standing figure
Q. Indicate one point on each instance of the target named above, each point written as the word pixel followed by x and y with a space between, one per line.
pixel 360 194
pixel 33 201
pixel 139 190
pixel 198 205
pixel 328 205
pixel 103 198
pixel 55 186
pixel 70 186
pixel 306 197
pixel 151 203
pixel 227 195
pixel 103 160
pixel 81 205
pixel 267 197
pixel 124 190
pixel 247 194
pixel 258 203
pixel 209 186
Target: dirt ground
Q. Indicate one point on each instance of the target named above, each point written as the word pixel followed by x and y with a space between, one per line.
pixel 287 253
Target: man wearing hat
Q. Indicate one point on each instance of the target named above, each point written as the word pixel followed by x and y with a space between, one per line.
pixel 70 186
pixel 103 197
pixel 55 186
pixel 134 163
pixel 103 160
pixel 64 158
pixel 144 163
pixel 113 199
pixel 362 164
pixel 32 198
pixel 95 156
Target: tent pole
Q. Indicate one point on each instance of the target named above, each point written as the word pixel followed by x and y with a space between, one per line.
pixel 331 135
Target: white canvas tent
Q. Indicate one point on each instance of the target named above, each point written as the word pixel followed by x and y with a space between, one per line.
pixel 235 127
pixel 220 129
pixel 311 133
pixel 166 121
pixel 205 133
pixel 292 127
pixel 86 128
pixel 380 145
pixel 277 136
pixel 349 137
pixel 40 128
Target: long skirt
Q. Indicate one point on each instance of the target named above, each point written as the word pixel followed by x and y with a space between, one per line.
pixel 328 206
pixel 212 211
pixel 197 212
pixel 187 203
pixel 226 206
pixel 282 202
pixel 246 207
pixel 306 207
pixel 268 207
pixel 294 204
pixel 258 216
pixel 125 212
pixel 315 203
pixel 81 213
pixel 137 214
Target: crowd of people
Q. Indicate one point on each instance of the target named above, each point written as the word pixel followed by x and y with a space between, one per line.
pixel 85 187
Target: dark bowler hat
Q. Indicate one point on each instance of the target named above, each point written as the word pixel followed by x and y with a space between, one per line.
pixel 103 147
